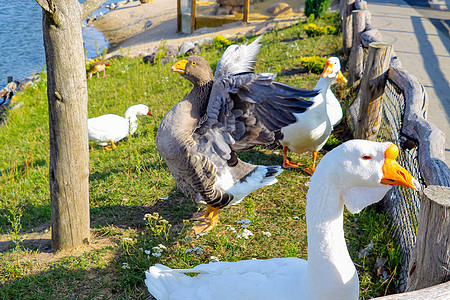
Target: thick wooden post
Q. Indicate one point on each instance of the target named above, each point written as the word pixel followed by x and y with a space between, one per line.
pixel 246 11
pixel 346 7
pixel 430 259
pixel 68 110
pixel 371 91
pixel 356 60
pixel 193 14
pixel 436 292
pixel 179 20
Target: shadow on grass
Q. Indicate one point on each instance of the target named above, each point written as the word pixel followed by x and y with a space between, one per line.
pixel 96 273
pixel 23 168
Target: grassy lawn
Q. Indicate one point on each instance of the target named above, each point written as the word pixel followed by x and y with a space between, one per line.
pixel 138 216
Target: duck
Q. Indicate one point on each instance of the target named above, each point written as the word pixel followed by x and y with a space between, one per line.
pixel 97 67
pixel 108 129
pixel 355 174
pixel 313 127
pixel 233 110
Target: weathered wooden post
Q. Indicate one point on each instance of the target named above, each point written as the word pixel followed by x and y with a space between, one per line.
pixel 436 292
pixel 179 16
pixel 356 60
pixel 193 14
pixel 371 91
pixel 246 11
pixel 430 259
pixel 346 7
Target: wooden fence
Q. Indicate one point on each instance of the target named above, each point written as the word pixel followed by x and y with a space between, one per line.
pixel 391 105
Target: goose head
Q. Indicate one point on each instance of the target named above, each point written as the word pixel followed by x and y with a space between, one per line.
pixel 195 69
pixel 361 172
pixel 138 109
pixel 333 70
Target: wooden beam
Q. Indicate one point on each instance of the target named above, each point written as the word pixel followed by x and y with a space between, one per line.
pixel 356 60
pixel 430 138
pixel 193 14
pixel 371 91
pixel 437 292
pixel 430 259
pixel 179 16
pixel 346 7
pixel 246 11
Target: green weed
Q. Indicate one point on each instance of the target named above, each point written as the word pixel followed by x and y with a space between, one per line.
pixel 132 181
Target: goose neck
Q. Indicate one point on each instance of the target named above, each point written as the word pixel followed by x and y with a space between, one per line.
pixel 199 96
pixel 132 121
pixel 328 259
pixel 323 84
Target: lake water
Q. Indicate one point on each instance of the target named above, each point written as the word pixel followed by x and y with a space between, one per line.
pixel 21 43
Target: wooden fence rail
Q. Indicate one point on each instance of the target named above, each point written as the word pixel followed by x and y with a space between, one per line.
pixel 436 292
pixel 431 253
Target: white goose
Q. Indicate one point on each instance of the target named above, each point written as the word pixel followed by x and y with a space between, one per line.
pixel 110 128
pixel 313 127
pixel 357 174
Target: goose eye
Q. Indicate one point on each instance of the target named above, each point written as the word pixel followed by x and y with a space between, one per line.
pixel 367 157
pixel 194 63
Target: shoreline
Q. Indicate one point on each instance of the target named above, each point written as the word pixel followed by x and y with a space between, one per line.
pixel 136 29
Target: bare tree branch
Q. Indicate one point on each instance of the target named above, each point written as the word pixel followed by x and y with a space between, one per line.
pixel 51 11
pixel 44 4
pixel 89 6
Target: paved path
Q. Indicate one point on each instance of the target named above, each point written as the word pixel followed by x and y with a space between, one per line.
pixel 421 40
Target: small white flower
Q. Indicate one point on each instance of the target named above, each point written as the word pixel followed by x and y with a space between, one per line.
pixel 147 252
pixel 244 221
pixel 188 251
pixel 159 249
pixel 164 198
pixel 201 234
pixel 229 227
pixel 295 218
pixel 245 234
pixel 156 254
pixel 266 233
pixel 127 239
pixel 244 226
pixel 198 250
pixel 214 259
pixel 125 266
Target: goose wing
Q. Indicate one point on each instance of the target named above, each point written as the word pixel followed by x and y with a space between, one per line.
pixel 107 128
pixel 250 109
pixel 238 59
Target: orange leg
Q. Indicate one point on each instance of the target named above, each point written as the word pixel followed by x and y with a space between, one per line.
pixel 113 145
pixel 209 220
pixel 311 170
pixel 286 163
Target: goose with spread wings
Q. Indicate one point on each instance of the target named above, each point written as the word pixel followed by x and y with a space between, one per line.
pixel 231 111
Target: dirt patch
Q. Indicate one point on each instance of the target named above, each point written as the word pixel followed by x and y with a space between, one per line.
pixel 137 30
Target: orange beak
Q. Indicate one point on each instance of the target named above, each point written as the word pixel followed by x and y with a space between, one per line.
pixel 180 66
pixel 328 69
pixel 149 113
pixel 341 78
pixel 393 173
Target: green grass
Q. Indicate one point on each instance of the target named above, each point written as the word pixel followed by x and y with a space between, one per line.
pixel 131 183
